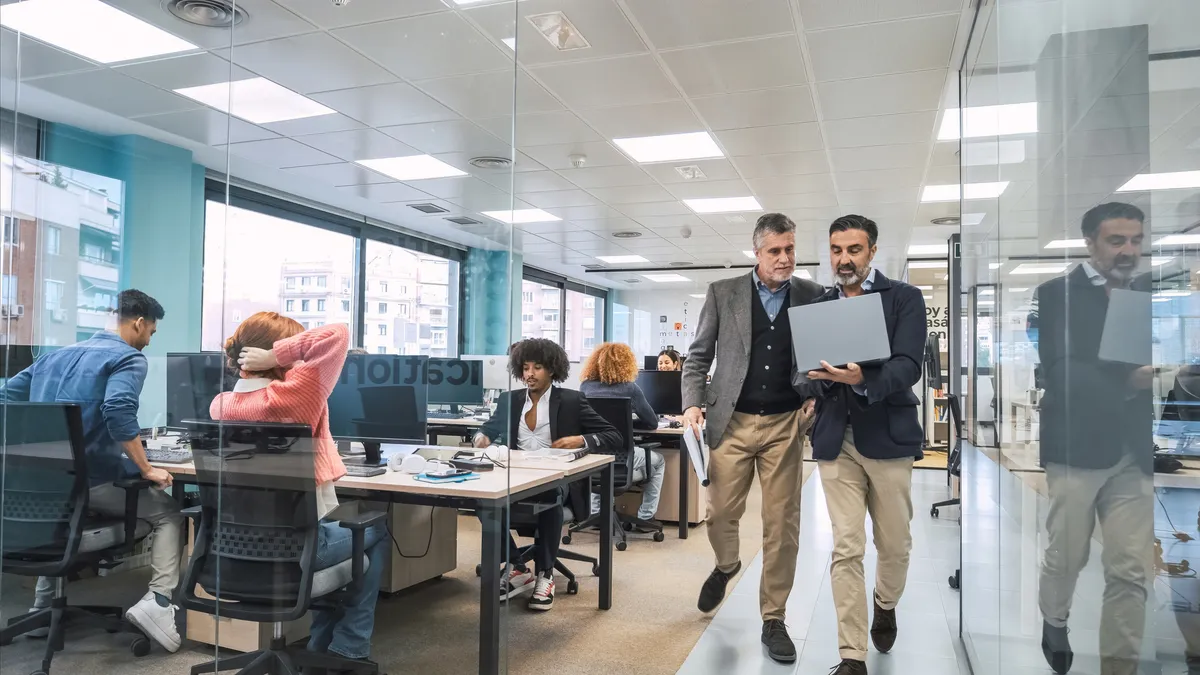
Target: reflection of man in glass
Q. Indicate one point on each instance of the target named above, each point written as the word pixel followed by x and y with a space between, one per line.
pixel 1096 445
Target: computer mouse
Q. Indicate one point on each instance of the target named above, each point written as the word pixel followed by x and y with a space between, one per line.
pixel 1166 464
pixel 674 424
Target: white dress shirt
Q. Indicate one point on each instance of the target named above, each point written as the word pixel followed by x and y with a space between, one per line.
pixel 537 438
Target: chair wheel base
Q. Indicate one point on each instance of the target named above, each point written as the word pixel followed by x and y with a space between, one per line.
pixel 595 570
pixel 566 539
pixel 140 647
pixel 621 546
pixel 479 570
pixel 572 588
pixel 659 536
pixel 933 512
pixel 38 672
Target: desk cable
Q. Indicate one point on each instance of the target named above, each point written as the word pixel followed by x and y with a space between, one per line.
pixel 428 541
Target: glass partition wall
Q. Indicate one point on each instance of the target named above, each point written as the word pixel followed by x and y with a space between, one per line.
pixel 1080 161
pixel 324 182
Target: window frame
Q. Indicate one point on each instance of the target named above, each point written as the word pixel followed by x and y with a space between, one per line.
pixel 564 284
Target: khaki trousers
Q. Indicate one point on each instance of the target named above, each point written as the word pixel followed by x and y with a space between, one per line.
pixel 769 444
pixel 1123 499
pixel 855 486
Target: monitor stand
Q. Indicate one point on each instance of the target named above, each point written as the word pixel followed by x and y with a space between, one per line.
pixel 374 456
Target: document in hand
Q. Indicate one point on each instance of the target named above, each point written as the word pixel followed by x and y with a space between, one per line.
pixel 849 330
pixel 1127 337
pixel 698 452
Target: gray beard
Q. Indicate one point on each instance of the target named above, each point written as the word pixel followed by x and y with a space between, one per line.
pixel 851 279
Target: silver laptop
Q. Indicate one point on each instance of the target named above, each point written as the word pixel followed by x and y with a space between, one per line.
pixel 848 330
pixel 1126 337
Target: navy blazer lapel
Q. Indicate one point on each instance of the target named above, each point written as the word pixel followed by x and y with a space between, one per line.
pixel 516 401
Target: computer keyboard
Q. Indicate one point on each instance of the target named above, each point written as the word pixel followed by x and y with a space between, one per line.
pixel 363 471
pixel 450 416
pixel 168 455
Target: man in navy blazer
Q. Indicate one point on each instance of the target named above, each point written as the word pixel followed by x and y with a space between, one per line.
pixel 865 440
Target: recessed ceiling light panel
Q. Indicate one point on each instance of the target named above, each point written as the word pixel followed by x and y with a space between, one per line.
pixel 989 120
pixel 256 100
pixel 521 216
pixel 670 148
pixel 1178 240
pixel 1176 180
pixel 1066 243
pixel 558 31
pixel 927 249
pixel 666 278
pixel 723 204
pixel 621 259
pixel 1031 268
pixel 413 167
pixel 91 29
pixel 951 193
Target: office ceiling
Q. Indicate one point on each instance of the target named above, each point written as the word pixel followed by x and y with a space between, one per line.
pixel 820 108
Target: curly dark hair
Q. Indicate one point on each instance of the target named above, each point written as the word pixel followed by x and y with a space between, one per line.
pixel 539 350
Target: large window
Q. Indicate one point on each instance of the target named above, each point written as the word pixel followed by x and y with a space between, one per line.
pixel 584 326
pixel 540 303
pixel 421 281
pixel 565 311
pixel 256 262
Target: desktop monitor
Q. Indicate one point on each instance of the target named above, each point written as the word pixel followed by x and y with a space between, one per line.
pixel 193 381
pixel 15 358
pixel 650 362
pixel 495 371
pixel 663 390
pixel 380 398
pixel 454 381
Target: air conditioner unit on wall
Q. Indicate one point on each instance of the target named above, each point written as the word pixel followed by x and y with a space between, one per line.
pixel 59 315
pixel 12 311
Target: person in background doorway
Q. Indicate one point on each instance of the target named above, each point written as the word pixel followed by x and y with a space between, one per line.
pixel 1096 444
pixel 611 371
pixel 669 359
pixel 755 420
pixel 104 376
pixel 866 436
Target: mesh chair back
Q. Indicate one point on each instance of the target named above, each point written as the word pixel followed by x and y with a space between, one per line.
pixel 43 480
pixel 257 536
pixel 618 411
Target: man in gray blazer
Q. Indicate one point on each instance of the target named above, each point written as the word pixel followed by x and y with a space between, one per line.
pixel 756 420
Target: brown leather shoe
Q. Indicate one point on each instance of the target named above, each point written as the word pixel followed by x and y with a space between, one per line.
pixel 883 628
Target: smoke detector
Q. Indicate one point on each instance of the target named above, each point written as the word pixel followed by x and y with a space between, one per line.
pixel 207 13
pixel 491 162
pixel 627 234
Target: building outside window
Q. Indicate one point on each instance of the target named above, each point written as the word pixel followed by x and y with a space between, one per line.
pixel 321 282
pixel 321 305
pixel 345 305
pixel 383 308
pixel 412 291
pixel 53 239
pixel 383 329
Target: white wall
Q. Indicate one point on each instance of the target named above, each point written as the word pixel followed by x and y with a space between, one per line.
pixel 648 335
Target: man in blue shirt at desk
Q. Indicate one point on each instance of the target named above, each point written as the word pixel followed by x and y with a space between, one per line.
pixel 104 376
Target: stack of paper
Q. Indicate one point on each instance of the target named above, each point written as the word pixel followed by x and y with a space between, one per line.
pixel 698 453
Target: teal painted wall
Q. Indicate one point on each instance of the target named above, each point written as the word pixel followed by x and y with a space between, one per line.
pixel 491 301
pixel 163 239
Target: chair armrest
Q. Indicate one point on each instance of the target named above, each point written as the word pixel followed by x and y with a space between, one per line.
pixel 363 520
pixel 138 483
pixel 132 487
pixel 649 446
pixel 192 512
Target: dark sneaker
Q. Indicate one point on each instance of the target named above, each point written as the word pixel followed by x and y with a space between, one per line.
pixel 779 644
pixel 713 591
pixel 883 628
pixel 849 667
pixel 648 526
pixel 1056 648
pixel 543 593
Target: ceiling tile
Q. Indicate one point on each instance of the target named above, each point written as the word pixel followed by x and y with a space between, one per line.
pixel 35 59
pixel 429 46
pixel 882 130
pixel 207 126
pixel 823 14
pixel 343 173
pixel 559 199
pixel 559 156
pixel 491 202
pixel 651 119
pixel 895 47
pixel 551 128
pixel 606 176
pixel 322 124
pixel 782 164
pixel 450 136
pixel 269 21
pixel 113 92
pixel 669 226
pixel 666 208
pixel 460 188
pixel 711 188
pixel 763 140
pixel 529 181
pixel 359 144
pixel 880 157
pixel 634 194
pixel 780 185
pixel 309 63
pixel 681 23
pixel 191 70
pixel 462 161
pixel 880 179
pixel 882 95
pixel 486 95
pixel 942 175
pixel 757 108
pixel 330 15
pixel 737 66
pixel 601 22
pixel 787 203
pixel 714 169
pixel 592 84
pixel 577 213
pixel 888 196
pixel 385 105
pixel 278 153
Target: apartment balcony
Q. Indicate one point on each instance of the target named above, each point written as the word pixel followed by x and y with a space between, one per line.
pixel 99 268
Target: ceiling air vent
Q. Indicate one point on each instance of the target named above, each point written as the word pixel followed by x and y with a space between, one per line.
pixel 429 208
pixel 494 163
pixel 207 13
pixel 593 266
pixel 633 281
pixel 627 234
pixel 680 263
pixel 463 220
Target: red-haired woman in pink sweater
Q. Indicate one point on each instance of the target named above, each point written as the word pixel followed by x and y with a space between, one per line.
pixel 287 375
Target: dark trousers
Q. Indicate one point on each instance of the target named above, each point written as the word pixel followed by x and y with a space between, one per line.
pixel 549 532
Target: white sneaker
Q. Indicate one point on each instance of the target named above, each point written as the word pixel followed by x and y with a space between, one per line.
pixel 514 582
pixel 39 633
pixel 157 622
pixel 543 594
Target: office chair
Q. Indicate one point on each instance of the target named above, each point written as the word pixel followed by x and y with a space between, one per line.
pixel 47 530
pixel 619 413
pixel 256 542
pixel 522 517
pixel 953 470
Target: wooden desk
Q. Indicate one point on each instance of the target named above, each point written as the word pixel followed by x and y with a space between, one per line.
pixel 685 471
pixel 490 496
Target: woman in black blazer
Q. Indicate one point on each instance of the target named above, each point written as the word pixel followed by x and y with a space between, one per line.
pixel 538 417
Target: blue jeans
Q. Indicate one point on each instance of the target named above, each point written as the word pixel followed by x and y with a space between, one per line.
pixel 349 636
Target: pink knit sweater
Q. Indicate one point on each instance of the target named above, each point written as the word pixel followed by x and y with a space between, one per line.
pixel 315 358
